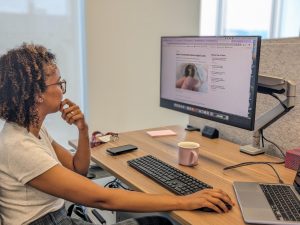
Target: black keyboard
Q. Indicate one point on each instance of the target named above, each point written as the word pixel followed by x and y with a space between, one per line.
pixel 168 176
pixel 283 201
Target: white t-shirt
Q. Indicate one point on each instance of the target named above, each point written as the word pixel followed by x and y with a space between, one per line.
pixel 22 158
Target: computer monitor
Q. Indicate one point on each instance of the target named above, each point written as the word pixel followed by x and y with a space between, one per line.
pixel 211 77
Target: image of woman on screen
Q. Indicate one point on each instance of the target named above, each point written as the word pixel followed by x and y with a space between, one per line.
pixel 190 80
pixel 37 174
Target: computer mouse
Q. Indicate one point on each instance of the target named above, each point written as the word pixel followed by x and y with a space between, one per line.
pixel 206 209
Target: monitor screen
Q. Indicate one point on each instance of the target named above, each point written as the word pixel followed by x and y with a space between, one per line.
pixel 211 77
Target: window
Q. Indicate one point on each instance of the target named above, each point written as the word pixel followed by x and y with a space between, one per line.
pixel 290 19
pixel 56 24
pixel 268 18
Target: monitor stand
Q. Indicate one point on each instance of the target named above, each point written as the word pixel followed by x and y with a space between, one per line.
pixel 272 86
pixel 250 150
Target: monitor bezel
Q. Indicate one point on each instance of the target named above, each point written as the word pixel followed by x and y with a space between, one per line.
pixel 236 121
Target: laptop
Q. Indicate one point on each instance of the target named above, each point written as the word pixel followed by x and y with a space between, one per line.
pixel 263 203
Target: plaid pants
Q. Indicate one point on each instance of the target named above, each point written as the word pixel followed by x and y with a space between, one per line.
pixel 60 217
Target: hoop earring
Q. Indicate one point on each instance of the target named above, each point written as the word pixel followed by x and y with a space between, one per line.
pixel 40 100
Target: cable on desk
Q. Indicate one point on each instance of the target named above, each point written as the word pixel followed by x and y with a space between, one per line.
pixel 266 163
pixel 253 163
pixel 264 138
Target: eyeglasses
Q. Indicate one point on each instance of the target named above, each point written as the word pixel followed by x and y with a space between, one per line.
pixel 62 84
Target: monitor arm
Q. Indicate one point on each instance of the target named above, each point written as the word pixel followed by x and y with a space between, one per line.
pixel 273 86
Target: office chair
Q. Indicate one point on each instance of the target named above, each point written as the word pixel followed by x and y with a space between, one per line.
pixel 97 216
pixel 82 213
pixel 92 215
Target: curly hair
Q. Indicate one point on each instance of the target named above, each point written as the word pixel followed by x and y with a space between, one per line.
pixel 22 78
pixel 189 70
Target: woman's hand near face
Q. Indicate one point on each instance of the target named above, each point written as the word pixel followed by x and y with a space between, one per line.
pixel 72 114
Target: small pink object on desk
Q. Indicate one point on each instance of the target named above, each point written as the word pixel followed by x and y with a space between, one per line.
pixel 292 159
pixel 158 133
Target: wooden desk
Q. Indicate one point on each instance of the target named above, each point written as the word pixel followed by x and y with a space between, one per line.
pixel 214 156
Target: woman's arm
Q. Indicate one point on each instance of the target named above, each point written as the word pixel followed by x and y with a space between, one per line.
pixel 180 81
pixel 81 160
pixel 82 157
pixel 63 183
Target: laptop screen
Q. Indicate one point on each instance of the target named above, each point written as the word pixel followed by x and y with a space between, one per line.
pixel 297 181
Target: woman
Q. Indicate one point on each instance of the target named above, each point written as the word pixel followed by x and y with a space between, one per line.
pixel 187 81
pixel 187 71
pixel 37 173
pixel 190 83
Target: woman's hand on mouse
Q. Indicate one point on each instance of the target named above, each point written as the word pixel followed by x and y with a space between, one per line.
pixel 72 114
pixel 211 198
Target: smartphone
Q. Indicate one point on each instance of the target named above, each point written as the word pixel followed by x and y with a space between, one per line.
pixel 121 149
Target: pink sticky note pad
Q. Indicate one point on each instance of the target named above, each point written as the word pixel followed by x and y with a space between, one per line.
pixel 157 133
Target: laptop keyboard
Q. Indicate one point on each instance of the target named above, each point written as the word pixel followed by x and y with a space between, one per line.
pixel 283 201
pixel 168 176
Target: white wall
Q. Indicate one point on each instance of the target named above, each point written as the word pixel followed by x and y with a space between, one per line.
pixel 123 60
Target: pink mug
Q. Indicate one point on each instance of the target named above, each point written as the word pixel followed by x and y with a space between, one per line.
pixel 188 153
